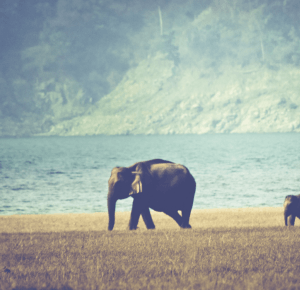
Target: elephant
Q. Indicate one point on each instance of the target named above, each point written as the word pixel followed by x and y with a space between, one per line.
pixel 291 209
pixel 158 184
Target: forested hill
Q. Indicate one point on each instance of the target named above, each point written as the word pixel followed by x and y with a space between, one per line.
pixel 77 67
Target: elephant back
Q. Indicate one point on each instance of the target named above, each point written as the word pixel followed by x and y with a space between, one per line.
pixel 168 170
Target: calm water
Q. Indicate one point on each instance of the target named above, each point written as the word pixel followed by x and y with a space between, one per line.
pixel 70 174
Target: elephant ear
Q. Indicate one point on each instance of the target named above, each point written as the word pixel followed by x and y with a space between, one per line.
pixel 137 184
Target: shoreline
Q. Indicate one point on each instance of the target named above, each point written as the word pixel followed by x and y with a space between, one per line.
pixel 200 219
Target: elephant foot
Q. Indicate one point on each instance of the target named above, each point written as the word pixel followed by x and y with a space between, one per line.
pixel 132 228
pixel 186 226
pixel 151 228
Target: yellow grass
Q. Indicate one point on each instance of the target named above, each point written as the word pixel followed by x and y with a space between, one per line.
pixel 226 249
pixel 208 218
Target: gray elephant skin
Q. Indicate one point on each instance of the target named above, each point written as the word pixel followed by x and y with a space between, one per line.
pixel 157 184
pixel 291 209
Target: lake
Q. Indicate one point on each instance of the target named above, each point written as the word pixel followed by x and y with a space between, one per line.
pixel 43 175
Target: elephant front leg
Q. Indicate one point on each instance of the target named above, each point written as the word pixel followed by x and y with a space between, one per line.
pixel 135 213
pixel 147 218
pixel 291 220
pixel 289 217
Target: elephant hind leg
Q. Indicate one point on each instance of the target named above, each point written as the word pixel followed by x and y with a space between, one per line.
pixel 148 219
pixel 178 218
pixel 175 216
pixel 186 212
pixel 186 218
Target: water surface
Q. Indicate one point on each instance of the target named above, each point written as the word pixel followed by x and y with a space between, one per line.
pixel 70 174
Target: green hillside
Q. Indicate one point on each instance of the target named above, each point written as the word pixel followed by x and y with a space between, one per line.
pixel 160 67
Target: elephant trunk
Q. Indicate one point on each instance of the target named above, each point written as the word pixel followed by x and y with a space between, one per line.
pixel 111 205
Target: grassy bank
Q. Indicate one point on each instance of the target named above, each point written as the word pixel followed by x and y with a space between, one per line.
pixel 232 257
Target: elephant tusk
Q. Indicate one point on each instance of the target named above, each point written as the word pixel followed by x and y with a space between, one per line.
pixel 137 188
pixel 136 172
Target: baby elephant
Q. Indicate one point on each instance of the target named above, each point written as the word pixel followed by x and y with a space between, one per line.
pixel 291 209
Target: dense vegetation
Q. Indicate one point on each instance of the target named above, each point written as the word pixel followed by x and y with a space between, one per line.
pixel 244 258
pixel 59 58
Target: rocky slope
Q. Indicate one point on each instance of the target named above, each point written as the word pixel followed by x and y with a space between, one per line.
pixel 154 99
pixel 134 67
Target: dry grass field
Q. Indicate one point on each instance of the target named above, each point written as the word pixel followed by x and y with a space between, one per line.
pixel 226 249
